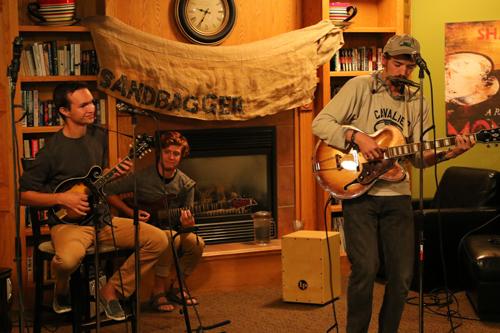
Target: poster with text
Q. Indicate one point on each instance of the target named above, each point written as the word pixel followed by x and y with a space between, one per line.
pixel 472 74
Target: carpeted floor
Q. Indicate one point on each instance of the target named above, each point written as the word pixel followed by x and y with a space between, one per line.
pixel 261 309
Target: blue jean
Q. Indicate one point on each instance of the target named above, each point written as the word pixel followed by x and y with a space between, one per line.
pixel 370 222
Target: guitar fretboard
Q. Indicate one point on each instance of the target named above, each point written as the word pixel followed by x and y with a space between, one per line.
pixel 101 181
pixel 412 148
pixel 196 209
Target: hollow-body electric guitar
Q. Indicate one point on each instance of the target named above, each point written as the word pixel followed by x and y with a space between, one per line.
pixel 347 174
pixel 92 184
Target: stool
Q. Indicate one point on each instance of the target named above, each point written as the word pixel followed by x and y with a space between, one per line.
pixel 481 257
pixel 5 324
pixel 81 318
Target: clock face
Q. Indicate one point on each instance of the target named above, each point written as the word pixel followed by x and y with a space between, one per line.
pixel 205 21
pixel 206 17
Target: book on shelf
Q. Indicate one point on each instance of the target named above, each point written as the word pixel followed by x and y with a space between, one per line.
pixel 357 59
pixel 49 59
pixel 38 113
pixel 31 147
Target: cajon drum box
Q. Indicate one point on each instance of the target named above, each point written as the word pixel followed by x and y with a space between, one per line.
pixel 306 268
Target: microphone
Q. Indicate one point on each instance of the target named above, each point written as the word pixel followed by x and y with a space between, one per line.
pixel 420 62
pixel 13 70
pixel 401 81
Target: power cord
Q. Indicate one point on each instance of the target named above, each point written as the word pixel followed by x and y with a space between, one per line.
pixel 330 269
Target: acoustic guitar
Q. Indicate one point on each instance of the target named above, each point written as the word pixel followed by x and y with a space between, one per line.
pixel 92 184
pixel 347 174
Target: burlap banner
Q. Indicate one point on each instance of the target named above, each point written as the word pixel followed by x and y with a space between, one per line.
pixel 211 82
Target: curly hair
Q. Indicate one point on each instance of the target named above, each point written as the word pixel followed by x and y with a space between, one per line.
pixel 174 138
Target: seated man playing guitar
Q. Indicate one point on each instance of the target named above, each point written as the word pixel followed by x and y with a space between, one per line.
pixel 66 159
pixel 161 189
pixel 380 213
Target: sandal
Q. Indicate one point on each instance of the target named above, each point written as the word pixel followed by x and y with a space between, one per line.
pixel 174 295
pixel 158 305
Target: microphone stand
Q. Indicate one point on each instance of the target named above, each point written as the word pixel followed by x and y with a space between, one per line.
pixel 133 113
pixel 12 73
pixel 420 221
pixel 136 234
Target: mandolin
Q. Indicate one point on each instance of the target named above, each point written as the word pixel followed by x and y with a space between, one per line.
pixel 93 182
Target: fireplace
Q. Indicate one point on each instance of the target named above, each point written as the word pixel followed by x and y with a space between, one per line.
pixel 235 172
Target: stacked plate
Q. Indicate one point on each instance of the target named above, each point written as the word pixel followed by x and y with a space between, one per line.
pixel 56 12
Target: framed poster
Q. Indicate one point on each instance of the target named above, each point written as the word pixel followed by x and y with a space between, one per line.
pixel 472 75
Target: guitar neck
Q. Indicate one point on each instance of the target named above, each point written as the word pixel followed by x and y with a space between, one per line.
pixel 413 148
pixel 109 175
pixel 196 209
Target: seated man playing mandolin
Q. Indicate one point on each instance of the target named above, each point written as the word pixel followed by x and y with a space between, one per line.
pixel 166 195
pixel 378 211
pixel 60 178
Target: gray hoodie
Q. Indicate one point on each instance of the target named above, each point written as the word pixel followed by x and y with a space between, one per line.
pixel 364 102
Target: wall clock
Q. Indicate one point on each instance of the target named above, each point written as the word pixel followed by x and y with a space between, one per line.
pixel 206 22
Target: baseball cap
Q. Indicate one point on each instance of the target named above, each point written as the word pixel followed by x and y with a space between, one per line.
pixel 401 44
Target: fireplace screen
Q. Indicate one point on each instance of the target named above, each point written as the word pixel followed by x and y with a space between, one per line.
pixel 234 170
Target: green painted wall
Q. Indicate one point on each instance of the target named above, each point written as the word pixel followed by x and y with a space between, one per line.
pixel 428 21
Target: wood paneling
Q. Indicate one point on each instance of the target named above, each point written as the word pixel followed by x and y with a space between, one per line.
pixel 257 19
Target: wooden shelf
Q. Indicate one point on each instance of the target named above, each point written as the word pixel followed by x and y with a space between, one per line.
pixel 228 249
pixel 348 73
pixel 41 129
pixel 375 30
pixel 58 78
pixel 58 29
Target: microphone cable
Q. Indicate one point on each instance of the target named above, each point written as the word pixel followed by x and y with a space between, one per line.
pixel 330 268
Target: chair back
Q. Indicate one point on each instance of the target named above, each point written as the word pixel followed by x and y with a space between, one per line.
pixel 464 187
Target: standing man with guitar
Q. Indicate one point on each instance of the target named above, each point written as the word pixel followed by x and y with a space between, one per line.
pixel 383 213
pixel 163 188
pixel 70 154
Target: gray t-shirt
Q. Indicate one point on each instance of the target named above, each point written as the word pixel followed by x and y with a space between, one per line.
pixel 152 189
pixel 63 158
pixel 365 103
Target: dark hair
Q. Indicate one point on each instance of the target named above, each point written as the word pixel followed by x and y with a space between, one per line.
pixel 174 138
pixel 61 91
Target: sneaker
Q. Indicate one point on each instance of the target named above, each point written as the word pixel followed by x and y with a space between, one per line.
pixel 61 303
pixel 113 309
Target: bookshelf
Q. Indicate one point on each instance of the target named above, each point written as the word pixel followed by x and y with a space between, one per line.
pixel 375 22
pixel 74 41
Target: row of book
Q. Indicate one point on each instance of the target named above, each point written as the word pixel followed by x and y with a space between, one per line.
pixel 31 147
pixel 49 59
pixel 43 113
pixel 357 59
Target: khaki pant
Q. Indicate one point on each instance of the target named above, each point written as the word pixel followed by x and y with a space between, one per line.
pixel 189 247
pixel 72 241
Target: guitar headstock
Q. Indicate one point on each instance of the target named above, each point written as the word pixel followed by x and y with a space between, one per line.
pixel 143 144
pixel 488 136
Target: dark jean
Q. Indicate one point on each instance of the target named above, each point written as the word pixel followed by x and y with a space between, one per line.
pixel 370 222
